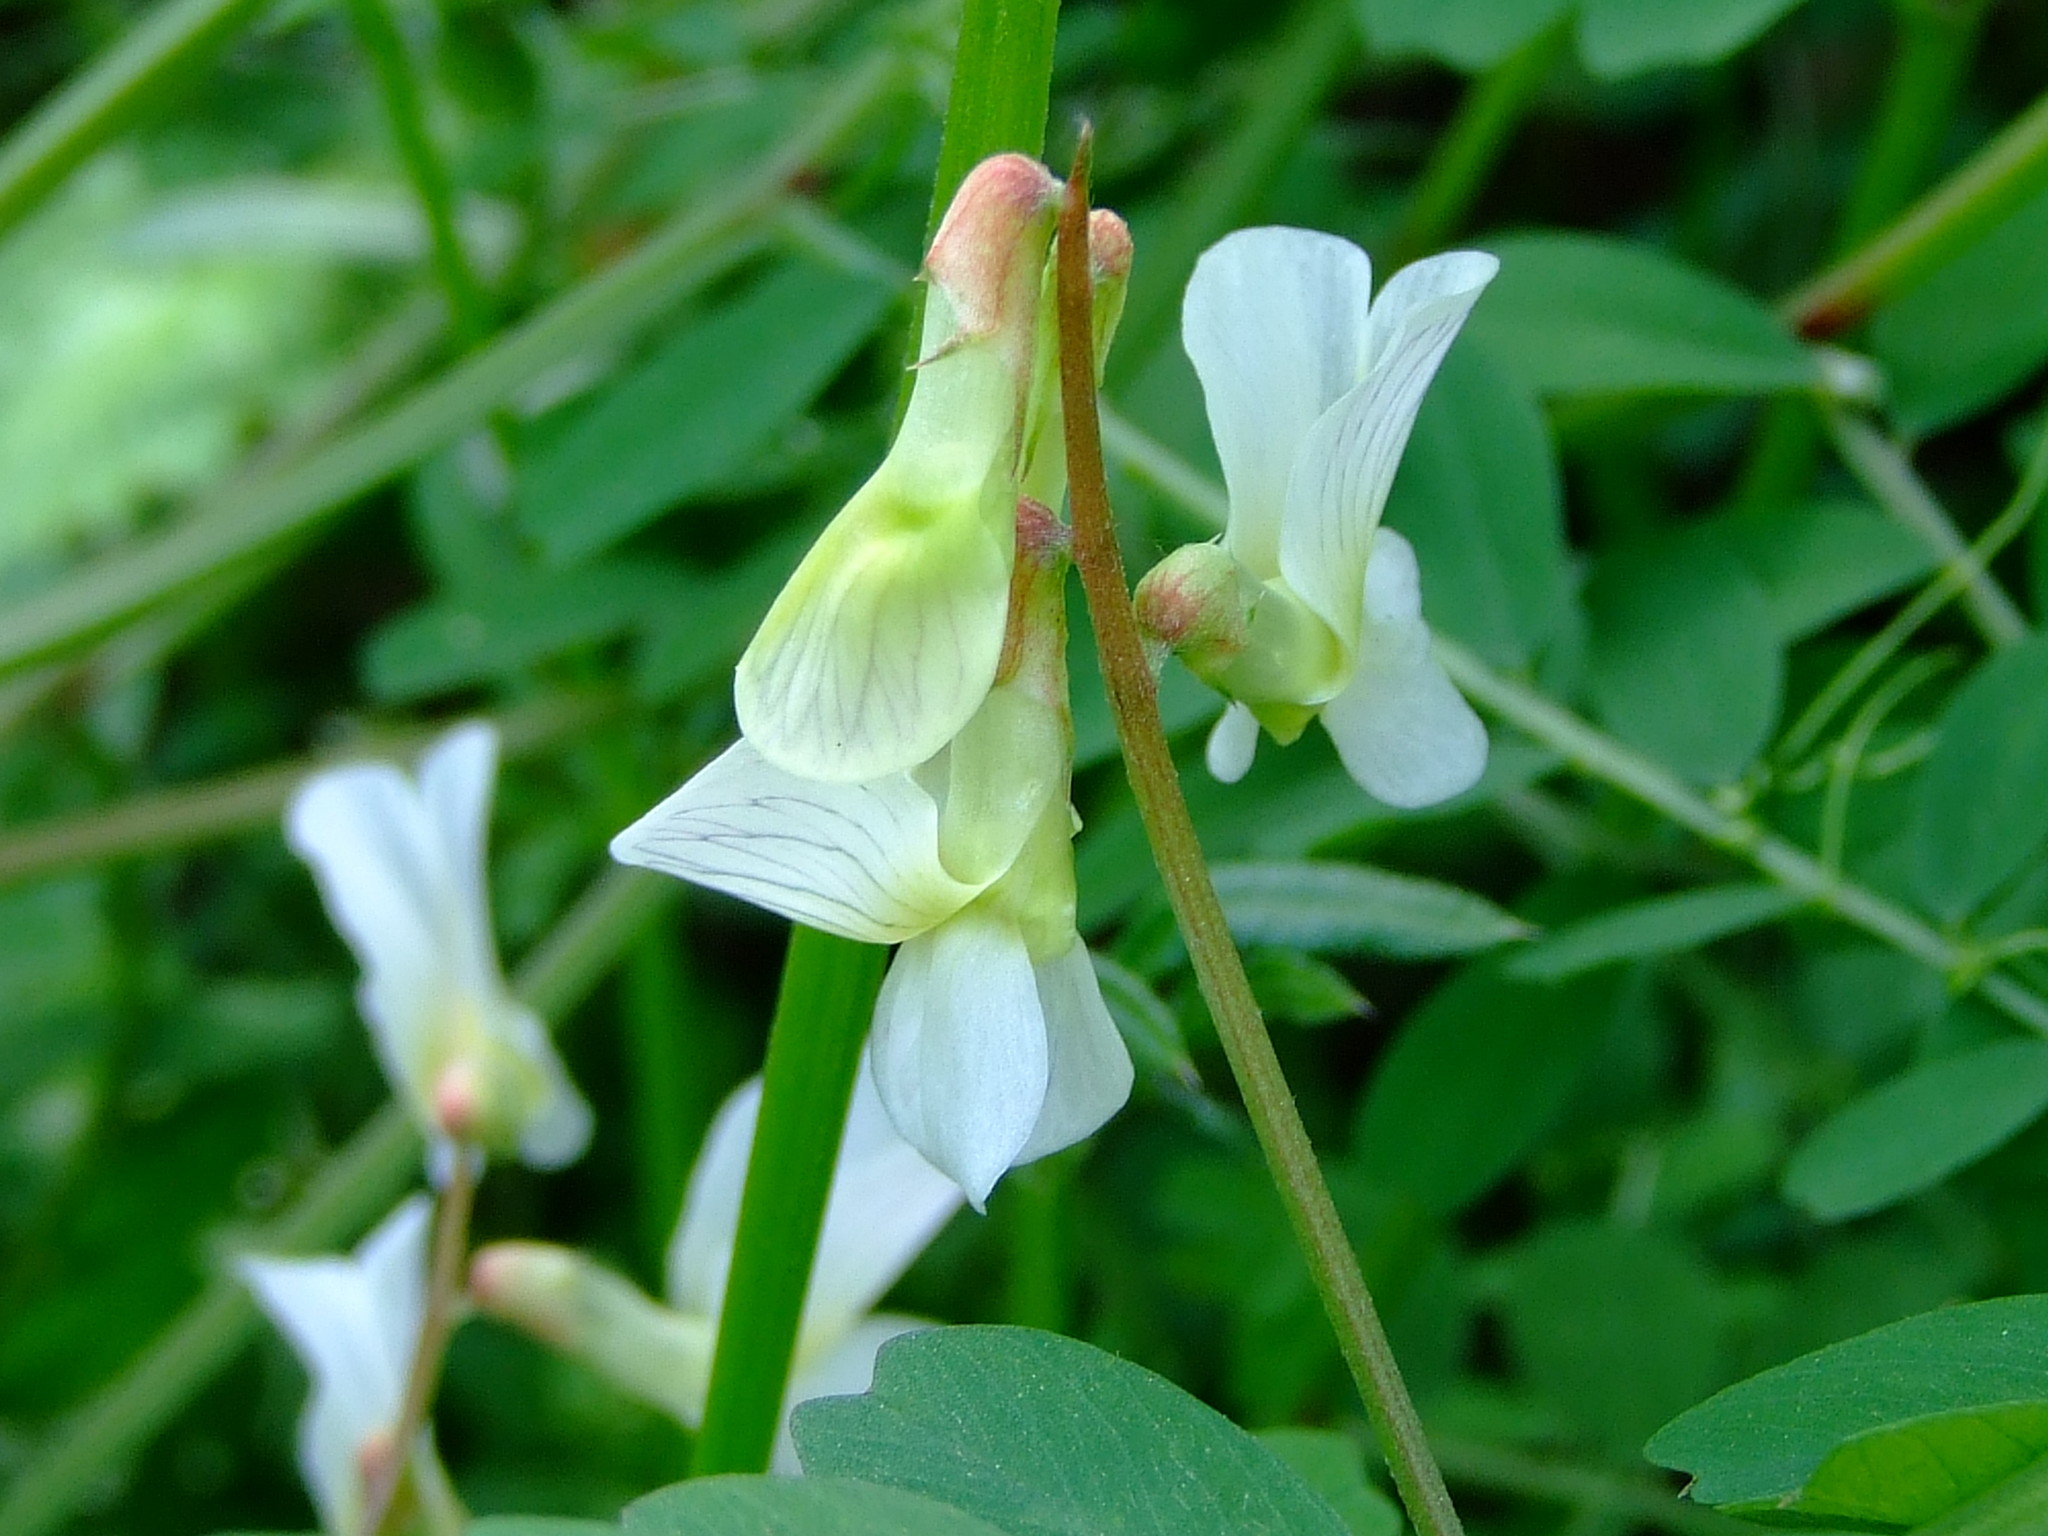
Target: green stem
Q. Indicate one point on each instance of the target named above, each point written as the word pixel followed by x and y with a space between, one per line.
pixel 1926 603
pixel 1219 971
pixel 821 1019
pixel 278 506
pixel 1472 143
pixel 169 820
pixel 1032 1214
pixel 1601 757
pixel 1996 180
pixel 1281 98
pixel 391 63
pixel 352 1189
pixel 437 1326
pixel 1002 80
pixel 1884 470
pixel 1935 40
pixel 110 93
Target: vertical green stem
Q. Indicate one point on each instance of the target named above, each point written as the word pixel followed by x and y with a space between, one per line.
pixel 821 1018
pixel 424 167
pixel 1155 785
pixel 110 93
pixel 1995 181
pixel 1471 145
pixel 1002 80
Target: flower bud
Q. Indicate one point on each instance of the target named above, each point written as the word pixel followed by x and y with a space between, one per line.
pixel 1198 603
pixel 887 637
pixel 586 1311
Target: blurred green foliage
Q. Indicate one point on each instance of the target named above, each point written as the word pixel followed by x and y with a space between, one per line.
pixel 1695 1128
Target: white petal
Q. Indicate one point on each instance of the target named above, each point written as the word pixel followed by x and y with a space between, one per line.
pixel 1347 459
pixel 858 860
pixel 557 1129
pixel 1233 742
pixel 700 1254
pixel 886 639
pixel 354 1323
pixel 1089 1077
pixel 1275 322
pixel 383 874
pixel 887 1204
pixel 1406 735
pixel 959 1048
pixel 845 1370
pixel 456 776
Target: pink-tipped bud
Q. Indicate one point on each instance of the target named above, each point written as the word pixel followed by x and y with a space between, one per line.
pixel 459 1101
pixel 1109 246
pixel 990 248
pixel 1197 603
pixel 534 1285
pixel 377 1460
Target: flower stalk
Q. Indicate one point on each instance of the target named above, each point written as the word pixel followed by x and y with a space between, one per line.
pixel 437 1326
pixel 1134 702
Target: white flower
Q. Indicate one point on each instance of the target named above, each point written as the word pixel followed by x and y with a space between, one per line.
pixel 354 1323
pixel 1312 387
pixel 400 865
pixel 992 1045
pixel 886 1206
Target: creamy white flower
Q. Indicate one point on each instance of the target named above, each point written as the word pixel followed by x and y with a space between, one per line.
pixel 354 1323
pixel 400 865
pixel 1312 387
pixel 887 1204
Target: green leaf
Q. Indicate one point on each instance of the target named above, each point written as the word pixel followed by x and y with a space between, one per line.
pixel 1616 1328
pixel 1478 496
pixel 1983 808
pixel 1470 34
pixel 1658 926
pixel 1908 1474
pixel 1350 909
pixel 1684 660
pixel 1299 989
pixel 1974 330
pixel 1476 1077
pixel 1824 560
pixel 1150 1029
pixel 698 408
pixel 1914 1131
pixel 457 640
pixel 537 1525
pixel 1757 1443
pixel 1626 37
pixel 1046 1436
pixel 1333 1463
pixel 793 1506
pixel 1587 315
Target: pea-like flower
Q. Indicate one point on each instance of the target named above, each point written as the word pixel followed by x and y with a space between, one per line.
pixel 1309 608
pixel 400 865
pixel 992 1044
pixel 886 1206
pixel 354 1323
pixel 885 640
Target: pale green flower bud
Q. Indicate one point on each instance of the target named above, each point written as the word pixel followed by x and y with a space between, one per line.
pixel 886 639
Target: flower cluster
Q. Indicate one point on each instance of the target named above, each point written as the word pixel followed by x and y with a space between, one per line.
pixel 1309 608
pixel 906 741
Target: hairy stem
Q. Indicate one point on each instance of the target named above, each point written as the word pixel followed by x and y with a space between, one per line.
pixel 1134 701
pixel 437 1325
